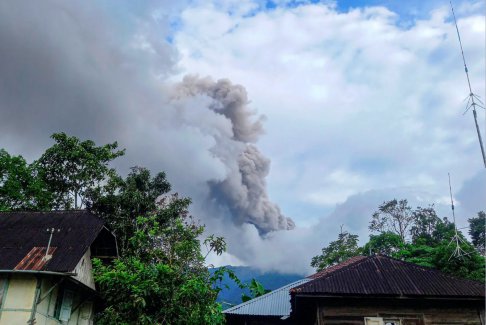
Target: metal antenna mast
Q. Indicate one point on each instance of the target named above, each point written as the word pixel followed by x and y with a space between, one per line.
pixel 456 239
pixel 472 98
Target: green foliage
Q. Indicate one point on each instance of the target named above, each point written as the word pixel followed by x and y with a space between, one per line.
pixel 425 224
pixel 387 243
pixel 20 186
pixel 163 280
pixel 393 216
pixel 121 201
pixel 337 251
pixel 477 228
pixel 161 276
pixel 72 167
pixel 256 290
pixel 431 243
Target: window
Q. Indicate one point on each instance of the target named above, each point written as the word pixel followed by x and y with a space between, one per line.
pixel 381 321
pixel 64 304
pixel 3 289
pixel 392 322
pixel 374 321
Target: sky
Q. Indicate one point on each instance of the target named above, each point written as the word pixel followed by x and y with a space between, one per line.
pixel 282 120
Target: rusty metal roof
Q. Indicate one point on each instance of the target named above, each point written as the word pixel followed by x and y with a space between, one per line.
pixel 36 259
pixel 336 267
pixel 24 239
pixel 384 276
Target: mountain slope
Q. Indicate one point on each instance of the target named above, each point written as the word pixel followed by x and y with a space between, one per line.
pixel 270 280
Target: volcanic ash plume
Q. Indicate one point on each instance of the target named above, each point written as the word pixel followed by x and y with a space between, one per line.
pixel 243 191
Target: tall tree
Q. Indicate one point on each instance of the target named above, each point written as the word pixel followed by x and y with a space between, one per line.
pixel 437 251
pixel 72 167
pixel 337 251
pixel 20 186
pixel 161 276
pixel 477 228
pixel 165 280
pixel 120 201
pixel 393 216
pixel 387 243
pixel 425 225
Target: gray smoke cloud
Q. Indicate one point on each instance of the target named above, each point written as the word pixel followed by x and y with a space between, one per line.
pixel 243 192
pixel 73 67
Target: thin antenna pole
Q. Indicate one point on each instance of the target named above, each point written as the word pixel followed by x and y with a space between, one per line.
pixel 51 231
pixel 49 244
pixel 452 200
pixel 458 251
pixel 471 102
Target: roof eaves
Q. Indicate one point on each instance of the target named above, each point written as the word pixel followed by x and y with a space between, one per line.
pixel 39 272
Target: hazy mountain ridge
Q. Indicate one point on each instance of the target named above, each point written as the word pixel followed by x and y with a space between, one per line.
pixel 270 280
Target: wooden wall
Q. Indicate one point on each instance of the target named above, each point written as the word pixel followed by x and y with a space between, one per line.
pixel 340 311
pixel 408 314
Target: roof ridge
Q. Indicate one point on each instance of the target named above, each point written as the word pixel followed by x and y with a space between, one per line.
pixel 344 267
pixel 333 272
pixel 392 270
pixel 46 211
pixel 431 269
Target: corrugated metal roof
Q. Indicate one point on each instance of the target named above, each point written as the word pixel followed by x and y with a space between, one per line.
pixel 275 303
pixel 36 259
pixel 21 232
pixel 384 276
pixel 336 267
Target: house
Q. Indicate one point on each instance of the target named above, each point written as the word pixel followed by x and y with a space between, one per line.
pixel 368 290
pixel 45 266
pixel 379 290
pixel 273 307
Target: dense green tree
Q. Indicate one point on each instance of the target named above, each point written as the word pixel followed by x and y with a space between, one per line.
pixel 432 241
pixel 120 201
pixel 72 167
pixel 425 224
pixel 434 246
pixel 477 228
pixel 387 243
pixel 20 186
pixel 337 251
pixel 165 281
pixel 393 216
pixel 160 276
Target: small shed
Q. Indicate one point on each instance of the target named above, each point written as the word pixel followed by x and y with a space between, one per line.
pixel 45 266
pixel 380 290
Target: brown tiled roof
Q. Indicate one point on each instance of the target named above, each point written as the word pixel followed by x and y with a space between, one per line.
pixel 24 239
pixel 384 276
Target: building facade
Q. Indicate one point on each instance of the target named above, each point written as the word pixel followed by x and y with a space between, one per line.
pixel 46 266
pixel 379 290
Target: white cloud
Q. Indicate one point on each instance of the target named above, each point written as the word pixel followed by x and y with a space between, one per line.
pixel 355 103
